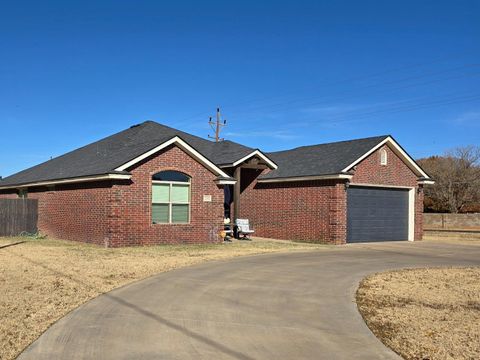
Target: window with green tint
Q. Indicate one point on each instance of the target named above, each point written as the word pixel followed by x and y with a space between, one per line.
pixel 160 213
pixel 161 193
pixel 180 213
pixel 180 193
pixel 170 198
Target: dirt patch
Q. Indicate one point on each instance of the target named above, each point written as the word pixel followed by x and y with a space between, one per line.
pixel 424 313
pixel 42 280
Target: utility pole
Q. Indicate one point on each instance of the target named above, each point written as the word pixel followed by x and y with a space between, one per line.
pixel 217 126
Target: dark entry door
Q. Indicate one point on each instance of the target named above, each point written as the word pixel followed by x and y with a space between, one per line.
pixel 376 214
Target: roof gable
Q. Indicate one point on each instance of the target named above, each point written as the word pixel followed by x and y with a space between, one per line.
pixel 118 152
pixel 185 147
pixel 398 150
pixel 333 158
pixel 323 159
pixel 108 154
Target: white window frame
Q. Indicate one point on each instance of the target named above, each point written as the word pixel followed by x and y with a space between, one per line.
pixel 170 203
pixel 383 157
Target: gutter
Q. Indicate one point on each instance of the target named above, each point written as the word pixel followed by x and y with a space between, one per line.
pixel 110 176
pixel 341 176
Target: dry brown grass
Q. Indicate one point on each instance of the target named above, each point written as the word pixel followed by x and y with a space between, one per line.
pixel 424 313
pixel 42 280
pixel 453 239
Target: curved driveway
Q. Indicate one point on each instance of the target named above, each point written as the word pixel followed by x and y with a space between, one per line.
pixel 275 306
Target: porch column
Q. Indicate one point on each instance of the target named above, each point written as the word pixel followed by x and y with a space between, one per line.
pixel 236 193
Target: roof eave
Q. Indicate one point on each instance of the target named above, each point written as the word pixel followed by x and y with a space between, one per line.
pixel 225 181
pixel 81 179
pixel 257 152
pixel 339 176
pixel 426 181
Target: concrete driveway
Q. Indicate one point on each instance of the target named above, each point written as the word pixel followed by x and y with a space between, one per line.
pixel 276 306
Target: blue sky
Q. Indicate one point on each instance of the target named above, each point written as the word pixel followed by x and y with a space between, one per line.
pixel 285 73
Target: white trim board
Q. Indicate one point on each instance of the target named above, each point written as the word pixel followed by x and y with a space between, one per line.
pixel 398 151
pixel 381 186
pixel 71 181
pixel 307 178
pixel 411 214
pixel 252 154
pixel 225 182
pixel 184 146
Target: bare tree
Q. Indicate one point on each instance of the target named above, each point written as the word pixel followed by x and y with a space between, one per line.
pixel 457 179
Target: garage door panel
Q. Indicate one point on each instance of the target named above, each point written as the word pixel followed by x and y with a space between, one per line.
pixel 376 214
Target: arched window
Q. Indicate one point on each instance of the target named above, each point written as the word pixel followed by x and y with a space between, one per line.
pixel 383 157
pixel 170 198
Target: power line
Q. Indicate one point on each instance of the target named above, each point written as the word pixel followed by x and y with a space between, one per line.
pixel 407 108
pixel 405 102
pixel 346 92
pixel 373 75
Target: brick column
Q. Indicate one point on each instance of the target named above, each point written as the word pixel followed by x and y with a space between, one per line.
pixel 418 235
pixel 114 232
pixel 338 214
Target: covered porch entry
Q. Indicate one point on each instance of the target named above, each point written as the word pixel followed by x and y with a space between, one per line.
pixel 243 173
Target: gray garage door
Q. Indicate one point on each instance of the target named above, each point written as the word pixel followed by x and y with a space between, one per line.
pixel 376 214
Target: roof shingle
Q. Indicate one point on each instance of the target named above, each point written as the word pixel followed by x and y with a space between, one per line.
pixel 323 159
pixel 105 155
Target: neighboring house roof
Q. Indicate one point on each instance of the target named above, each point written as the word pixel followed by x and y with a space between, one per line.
pixel 111 157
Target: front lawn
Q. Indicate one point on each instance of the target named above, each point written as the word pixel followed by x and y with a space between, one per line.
pixel 42 280
pixel 424 313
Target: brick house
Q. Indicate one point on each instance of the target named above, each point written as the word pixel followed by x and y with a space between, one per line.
pixel 152 184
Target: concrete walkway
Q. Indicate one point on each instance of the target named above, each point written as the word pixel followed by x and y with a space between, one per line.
pixel 276 306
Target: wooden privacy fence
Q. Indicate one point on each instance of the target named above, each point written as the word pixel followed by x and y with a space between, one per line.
pixel 17 216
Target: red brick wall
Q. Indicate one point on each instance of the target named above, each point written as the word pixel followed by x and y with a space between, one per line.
pixel 315 211
pixel 75 212
pixel 6 194
pixel 131 219
pixel 419 214
pixel 311 211
pixel 395 173
pixel 119 214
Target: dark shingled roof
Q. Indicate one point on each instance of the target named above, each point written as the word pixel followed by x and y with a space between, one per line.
pixel 104 156
pixel 323 159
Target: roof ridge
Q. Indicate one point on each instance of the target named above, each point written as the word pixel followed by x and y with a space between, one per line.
pixel 233 142
pixel 330 143
pixel 108 153
pixel 176 130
